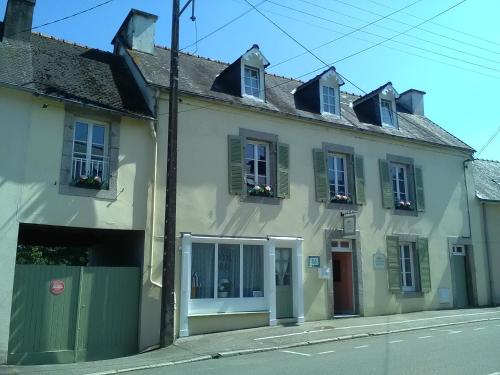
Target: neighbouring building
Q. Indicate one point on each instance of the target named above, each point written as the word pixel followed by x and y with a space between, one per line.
pixel 298 201
pixel 77 174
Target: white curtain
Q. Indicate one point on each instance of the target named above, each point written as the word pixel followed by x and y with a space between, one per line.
pixel 202 270
pixel 253 271
pixel 229 271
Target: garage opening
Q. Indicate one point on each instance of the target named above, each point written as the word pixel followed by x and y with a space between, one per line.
pixel 76 294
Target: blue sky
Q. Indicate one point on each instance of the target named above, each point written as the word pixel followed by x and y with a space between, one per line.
pixel 455 59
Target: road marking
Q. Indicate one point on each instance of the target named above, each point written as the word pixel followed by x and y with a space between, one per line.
pixel 375 325
pixel 395 341
pixel 454 332
pixel 495 373
pixel 425 337
pixel 361 347
pixel 327 352
pixel 479 328
pixel 297 353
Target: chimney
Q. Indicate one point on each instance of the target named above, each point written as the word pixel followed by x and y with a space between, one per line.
pixel 18 20
pixel 138 31
pixel 413 101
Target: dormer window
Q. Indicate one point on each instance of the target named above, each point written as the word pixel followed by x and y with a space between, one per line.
pixel 329 100
pixel 252 81
pixel 387 113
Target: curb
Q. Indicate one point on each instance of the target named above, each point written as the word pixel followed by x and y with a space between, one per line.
pixel 234 353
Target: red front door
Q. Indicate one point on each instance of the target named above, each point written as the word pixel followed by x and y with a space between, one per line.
pixel 342 283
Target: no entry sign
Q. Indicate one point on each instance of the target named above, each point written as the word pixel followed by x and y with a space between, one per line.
pixel 56 287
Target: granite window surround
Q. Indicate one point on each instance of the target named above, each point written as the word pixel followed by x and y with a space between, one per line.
pixel 411 238
pixel 411 183
pixel 66 185
pixel 272 139
pixel 348 151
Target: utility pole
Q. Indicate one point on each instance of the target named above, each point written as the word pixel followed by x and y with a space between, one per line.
pixel 168 275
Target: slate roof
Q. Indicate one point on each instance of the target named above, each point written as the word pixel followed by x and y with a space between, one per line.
pixel 68 71
pixel 487 179
pixel 197 74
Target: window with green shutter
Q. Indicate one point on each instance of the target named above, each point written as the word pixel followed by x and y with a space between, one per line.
pixel 359 172
pixel 320 180
pixel 393 264
pixel 419 189
pixel 424 264
pixel 235 157
pixel 283 168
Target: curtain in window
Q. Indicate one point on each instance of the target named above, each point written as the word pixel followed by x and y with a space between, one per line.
pixel 253 271
pixel 202 270
pixel 228 283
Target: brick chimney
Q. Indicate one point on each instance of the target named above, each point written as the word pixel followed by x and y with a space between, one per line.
pixel 138 31
pixel 18 20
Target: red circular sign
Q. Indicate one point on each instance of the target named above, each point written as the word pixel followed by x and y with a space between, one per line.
pixel 56 287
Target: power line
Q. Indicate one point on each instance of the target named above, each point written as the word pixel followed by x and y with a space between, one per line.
pixel 394 30
pixel 65 18
pixel 426 30
pixel 495 133
pixel 441 25
pixel 222 26
pixel 379 36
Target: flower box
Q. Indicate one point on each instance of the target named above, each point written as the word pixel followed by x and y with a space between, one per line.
pixel 340 198
pixel 404 205
pixel 89 182
pixel 261 191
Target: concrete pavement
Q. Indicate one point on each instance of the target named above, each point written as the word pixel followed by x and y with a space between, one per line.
pixel 234 343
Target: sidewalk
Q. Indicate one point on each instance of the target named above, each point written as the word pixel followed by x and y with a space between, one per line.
pixel 216 345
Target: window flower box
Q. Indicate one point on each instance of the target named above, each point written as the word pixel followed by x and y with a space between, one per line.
pixel 404 205
pixel 261 191
pixel 224 288
pixel 89 182
pixel 340 198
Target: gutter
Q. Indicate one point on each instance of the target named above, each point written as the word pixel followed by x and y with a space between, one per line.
pixel 487 248
pixel 72 101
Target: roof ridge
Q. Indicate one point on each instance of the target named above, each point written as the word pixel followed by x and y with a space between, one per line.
pixel 71 43
pixel 488 160
pixel 226 63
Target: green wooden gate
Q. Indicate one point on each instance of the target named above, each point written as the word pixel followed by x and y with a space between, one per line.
pixel 95 317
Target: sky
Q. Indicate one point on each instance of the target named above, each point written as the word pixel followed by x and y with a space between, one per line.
pixel 454 58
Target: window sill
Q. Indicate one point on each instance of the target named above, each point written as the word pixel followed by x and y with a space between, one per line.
pixel 228 313
pixel 341 206
pixel 69 189
pixel 261 199
pixel 410 294
pixel 403 212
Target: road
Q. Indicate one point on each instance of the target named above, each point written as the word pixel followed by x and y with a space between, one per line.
pixel 467 349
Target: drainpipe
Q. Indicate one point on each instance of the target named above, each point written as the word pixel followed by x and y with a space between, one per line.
pixel 487 248
pixel 467 196
pixel 153 125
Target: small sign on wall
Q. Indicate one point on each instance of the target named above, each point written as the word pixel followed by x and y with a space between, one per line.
pixel 349 224
pixel 313 261
pixel 56 287
pixel 379 262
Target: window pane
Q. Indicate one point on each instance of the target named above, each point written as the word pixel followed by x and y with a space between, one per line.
pixel 202 270
pixel 262 168
pixel 80 149
pixel 249 151
pixel 261 150
pixel 262 180
pixel 408 280
pixel 97 150
pixel 250 166
pixel 340 164
pixel 253 271
pixel 340 178
pixel 98 134
pixel 228 282
pixel 81 132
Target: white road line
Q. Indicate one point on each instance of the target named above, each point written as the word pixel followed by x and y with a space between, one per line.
pixel 361 347
pixel 479 328
pixel 375 325
pixel 495 373
pixel 395 341
pixel 454 332
pixel 297 353
pixel 327 352
pixel 425 337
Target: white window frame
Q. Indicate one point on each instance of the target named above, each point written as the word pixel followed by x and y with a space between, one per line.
pixel 88 153
pixel 259 82
pixel 455 251
pixel 256 161
pixel 339 248
pixel 336 156
pixel 334 98
pixel 405 176
pixel 392 112
pixel 404 287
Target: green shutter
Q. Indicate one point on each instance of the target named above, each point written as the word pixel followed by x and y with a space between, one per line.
pixel 320 178
pixel 393 264
pixel 386 185
pixel 235 157
pixel 419 187
pixel 359 172
pixel 283 174
pixel 423 261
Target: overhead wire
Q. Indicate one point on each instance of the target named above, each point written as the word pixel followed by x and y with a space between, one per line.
pixel 495 133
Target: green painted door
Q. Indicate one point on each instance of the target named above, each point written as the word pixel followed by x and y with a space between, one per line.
pixel 284 291
pixel 94 317
pixel 459 282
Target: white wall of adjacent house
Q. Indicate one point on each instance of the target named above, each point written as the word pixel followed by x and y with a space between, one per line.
pixel 205 206
pixel 32 130
pixel 492 216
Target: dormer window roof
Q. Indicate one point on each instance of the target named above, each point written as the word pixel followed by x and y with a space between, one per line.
pixel 378 107
pixel 321 94
pixel 245 77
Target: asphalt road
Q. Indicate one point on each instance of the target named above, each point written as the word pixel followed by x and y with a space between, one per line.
pixel 467 349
